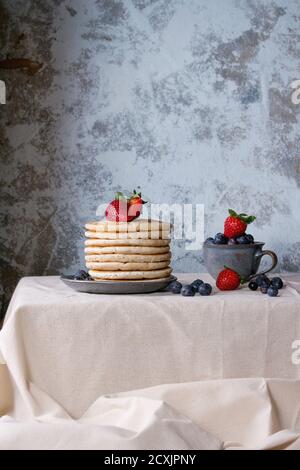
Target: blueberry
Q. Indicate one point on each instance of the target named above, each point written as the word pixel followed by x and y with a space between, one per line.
pixel 250 237
pixel 220 239
pixel 188 291
pixel 81 275
pixel 243 240
pixel 277 282
pixel 196 283
pixel 205 289
pixel 175 287
pixel 272 291
pixel 253 285
pixel 264 289
pixel 265 283
pixel 232 241
pixel 260 278
pixel 209 241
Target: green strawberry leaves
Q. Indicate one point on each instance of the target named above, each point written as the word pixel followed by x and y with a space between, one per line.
pixel 137 193
pixel 247 219
pixel 120 196
pixel 232 213
pixel 250 219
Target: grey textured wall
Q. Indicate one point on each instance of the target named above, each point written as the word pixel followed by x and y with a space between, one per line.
pixel 191 99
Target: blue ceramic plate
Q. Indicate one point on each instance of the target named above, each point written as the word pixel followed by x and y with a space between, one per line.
pixel 143 286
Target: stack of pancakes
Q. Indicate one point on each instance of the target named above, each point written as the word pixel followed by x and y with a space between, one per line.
pixel 128 250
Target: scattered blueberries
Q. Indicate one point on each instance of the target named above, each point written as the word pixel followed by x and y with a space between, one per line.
pixel 272 291
pixel 266 285
pixel 220 239
pixel 188 291
pixel 210 241
pixel 175 287
pixel 232 241
pixel 277 282
pixel 264 289
pixel 261 281
pixel 250 238
pixel 82 275
pixel 260 278
pixel 205 289
pixel 253 285
pixel 196 284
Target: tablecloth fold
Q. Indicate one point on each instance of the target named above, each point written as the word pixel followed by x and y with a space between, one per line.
pixel 230 414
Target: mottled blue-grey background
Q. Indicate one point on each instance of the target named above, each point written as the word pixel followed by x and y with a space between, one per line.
pixel 191 99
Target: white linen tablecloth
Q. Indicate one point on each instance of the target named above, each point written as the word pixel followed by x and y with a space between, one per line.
pixel 67 357
pixel 76 347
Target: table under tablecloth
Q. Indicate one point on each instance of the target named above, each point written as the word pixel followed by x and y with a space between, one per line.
pixel 198 360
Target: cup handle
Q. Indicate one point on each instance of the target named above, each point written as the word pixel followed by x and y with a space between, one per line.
pixel 274 261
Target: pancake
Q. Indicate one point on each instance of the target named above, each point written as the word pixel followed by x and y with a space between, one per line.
pixel 139 225
pixel 130 275
pixel 165 235
pixel 126 242
pixel 128 267
pixel 126 258
pixel 136 250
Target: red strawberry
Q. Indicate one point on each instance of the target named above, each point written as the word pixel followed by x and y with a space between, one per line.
pixel 135 205
pixel 123 209
pixel 117 209
pixel 228 280
pixel 236 224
